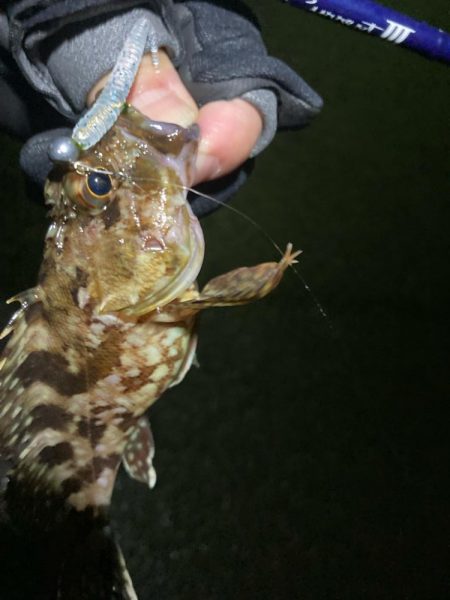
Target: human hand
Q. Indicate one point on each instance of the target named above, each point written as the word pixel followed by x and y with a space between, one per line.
pixel 229 129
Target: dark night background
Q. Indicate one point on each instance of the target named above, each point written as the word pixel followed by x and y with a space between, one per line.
pixel 307 458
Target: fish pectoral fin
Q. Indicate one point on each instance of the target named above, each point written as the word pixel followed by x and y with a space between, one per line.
pixel 242 285
pixel 139 452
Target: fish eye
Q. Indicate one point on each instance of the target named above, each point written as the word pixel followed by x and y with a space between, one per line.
pixel 98 184
pixel 91 189
pixel 96 190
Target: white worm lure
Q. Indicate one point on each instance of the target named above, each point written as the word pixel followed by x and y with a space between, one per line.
pixel 108 106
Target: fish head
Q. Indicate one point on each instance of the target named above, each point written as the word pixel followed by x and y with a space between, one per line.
pixel 121 216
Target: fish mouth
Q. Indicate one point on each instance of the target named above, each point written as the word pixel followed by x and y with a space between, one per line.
pixel 192 249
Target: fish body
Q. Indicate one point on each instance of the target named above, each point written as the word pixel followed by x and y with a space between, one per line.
pixel 108 328
pixel 93 347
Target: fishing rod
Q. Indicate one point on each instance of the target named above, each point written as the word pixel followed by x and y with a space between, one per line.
pixel 383 22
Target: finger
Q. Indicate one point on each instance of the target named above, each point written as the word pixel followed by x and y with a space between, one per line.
pixel 158 92
pixel 229 130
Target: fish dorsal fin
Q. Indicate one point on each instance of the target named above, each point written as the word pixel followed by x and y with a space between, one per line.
pixel 27 299
pixel 139 452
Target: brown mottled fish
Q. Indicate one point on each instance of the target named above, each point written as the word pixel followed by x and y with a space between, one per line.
pixel 108 328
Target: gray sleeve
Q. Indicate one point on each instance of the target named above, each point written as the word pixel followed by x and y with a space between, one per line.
pixel 226 57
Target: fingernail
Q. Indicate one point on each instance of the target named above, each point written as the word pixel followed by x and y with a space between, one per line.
pixel 163 105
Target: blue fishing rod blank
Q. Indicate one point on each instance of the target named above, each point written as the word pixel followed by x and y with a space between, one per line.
pixel 383 22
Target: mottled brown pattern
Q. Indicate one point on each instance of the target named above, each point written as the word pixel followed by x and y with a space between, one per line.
pixel 131 384
pixel 81 280
pixel 90 472
pixel 74 294
pixel 33 312
pixel 60 303
pixel 83 427
pixel 111 215
pixel 91 429
pixel 104 358
pixel 47 267
pixel 49 415
pixel 96 431
pixel 71 486
pixel 81 277
pixel 51 369
pixel 107 462
pixel 56 455
pixel 128 421
pixel 86 474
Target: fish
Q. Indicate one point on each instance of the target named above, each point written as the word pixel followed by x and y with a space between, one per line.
pixel 107 329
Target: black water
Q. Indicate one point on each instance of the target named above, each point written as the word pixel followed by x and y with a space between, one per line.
pixel 307 457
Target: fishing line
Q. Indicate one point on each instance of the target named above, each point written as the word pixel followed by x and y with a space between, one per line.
pixel 268 237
